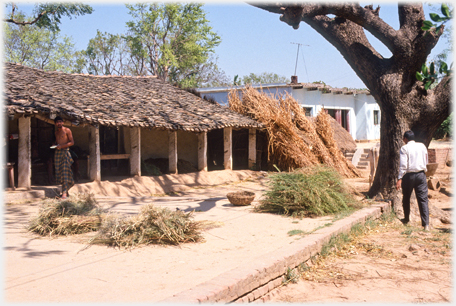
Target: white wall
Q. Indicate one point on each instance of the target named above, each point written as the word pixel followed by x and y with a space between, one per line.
pixel 222 96
pixel 360 106
pixel 317 100
pixel 365 106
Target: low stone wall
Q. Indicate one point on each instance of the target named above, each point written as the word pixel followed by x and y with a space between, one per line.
pixel 440 156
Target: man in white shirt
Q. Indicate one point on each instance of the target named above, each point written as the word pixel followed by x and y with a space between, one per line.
pixel 412 168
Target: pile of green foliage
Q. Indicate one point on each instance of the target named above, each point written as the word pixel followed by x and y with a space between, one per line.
pixel 153 225
pixel 77 214
pixel 311 191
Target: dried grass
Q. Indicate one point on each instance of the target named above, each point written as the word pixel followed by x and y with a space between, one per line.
pixel 78 214
pixel 294 141
pixel 153 225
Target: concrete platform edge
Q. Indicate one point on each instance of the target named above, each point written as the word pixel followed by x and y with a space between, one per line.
pixel 254 281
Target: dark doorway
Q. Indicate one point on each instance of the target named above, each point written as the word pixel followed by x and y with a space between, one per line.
pixel 240 149
pixel 215 150
pixel 109 144
pixel 341 116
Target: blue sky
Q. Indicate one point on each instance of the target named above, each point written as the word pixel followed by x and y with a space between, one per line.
pixel 253 40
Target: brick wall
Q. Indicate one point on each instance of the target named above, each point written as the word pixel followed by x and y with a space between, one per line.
pixel 440 156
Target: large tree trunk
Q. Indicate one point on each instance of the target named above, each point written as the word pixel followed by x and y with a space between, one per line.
pixel 404 103
pixel 416 110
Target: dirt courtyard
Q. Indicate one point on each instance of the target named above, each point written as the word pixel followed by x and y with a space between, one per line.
pixel 391 263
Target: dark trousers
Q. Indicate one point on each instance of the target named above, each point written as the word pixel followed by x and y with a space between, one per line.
pixel 415 181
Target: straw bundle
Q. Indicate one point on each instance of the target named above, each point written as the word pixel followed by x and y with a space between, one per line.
pixel 78 214
pixel 293 140
pixel 152 225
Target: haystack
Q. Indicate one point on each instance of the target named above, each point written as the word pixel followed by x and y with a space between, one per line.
pixel 78 214
pixel 294 141
pixel 343 139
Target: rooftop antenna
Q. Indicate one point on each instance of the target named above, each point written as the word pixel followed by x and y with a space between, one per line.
pixel 296 65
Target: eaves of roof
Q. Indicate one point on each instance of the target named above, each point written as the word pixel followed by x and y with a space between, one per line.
pixel 114 100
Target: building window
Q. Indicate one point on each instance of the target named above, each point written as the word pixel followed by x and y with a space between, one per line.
pixel 376 112
pixel 308 111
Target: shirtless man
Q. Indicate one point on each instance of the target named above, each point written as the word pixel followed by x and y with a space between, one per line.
pixel 62 156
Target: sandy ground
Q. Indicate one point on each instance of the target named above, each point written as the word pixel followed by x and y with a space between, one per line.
pixel 392 263
pixel 41 269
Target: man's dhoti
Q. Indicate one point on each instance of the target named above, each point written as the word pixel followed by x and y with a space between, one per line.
pixel 63 173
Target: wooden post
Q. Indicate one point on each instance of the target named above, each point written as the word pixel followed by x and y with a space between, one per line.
pixel 24 167
pixel 94 152
pixel 227 148
pixel 202 151
pixel 172 151
pixel 135 152
pixel 252 148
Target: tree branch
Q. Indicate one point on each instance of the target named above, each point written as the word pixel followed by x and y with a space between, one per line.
pixel 366 17
pixel 23 23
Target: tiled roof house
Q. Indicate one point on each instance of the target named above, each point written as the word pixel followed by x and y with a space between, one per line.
pixel 147 116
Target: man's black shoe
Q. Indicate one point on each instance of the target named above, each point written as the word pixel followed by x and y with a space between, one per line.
pixel 405 221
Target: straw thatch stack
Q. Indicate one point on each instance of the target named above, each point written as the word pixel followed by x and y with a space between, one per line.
pixel 294 141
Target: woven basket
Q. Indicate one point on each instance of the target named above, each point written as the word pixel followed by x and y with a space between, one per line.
pixel 241 198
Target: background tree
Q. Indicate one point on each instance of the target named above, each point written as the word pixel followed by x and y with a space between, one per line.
pixel 47 15
pixel 403 101
pixel 170 40
pixel 38 47
pixel 264 78
pixel 207 74
pixel 106 54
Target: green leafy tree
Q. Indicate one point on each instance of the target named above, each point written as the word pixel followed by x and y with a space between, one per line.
pixel 106 54
pixel 170 40
pixel 47 15
pixel 207 74
pixel 445 129
pixel 38 47
pixel 263 78
pixel 447 33
pixel 430 75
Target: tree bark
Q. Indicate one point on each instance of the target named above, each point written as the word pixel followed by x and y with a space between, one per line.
pixel 404 103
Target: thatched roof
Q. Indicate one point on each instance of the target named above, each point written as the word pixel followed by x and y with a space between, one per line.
pixel 113 100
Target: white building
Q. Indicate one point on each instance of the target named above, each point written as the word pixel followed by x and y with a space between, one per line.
pixel 355 110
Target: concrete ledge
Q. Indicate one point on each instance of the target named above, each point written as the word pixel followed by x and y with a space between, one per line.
pixel 254 280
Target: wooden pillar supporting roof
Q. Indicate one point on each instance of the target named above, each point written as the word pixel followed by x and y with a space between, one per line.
pixel 227 148
pixel 135 151
pixel 24 178
pixel 252 148
pixel 202 151
pixel 172 151
pixel 94 152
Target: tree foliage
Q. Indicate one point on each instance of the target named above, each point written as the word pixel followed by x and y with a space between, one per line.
pixel 106 54
pixel 430 75
pixel 38 47
pixel 172 41
pixel 47 15
pixel 263 78
pixel 445 129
